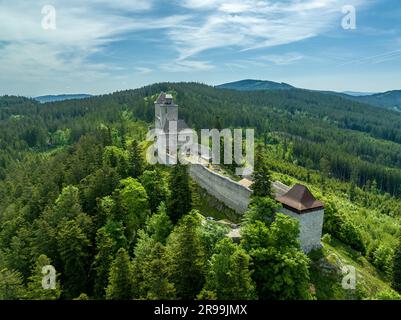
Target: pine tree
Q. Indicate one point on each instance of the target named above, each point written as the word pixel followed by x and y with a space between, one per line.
pixel 396 282
pixel 180 200
pixel 261 176
pixel 120 277
pixel 135 159
pixel 186 256
pixel 35 287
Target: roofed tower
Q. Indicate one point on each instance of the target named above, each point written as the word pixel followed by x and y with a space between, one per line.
pixel 165 111
pixel 300 199
pixel 299 203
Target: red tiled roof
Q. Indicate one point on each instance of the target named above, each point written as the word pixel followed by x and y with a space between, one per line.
pixel 300 199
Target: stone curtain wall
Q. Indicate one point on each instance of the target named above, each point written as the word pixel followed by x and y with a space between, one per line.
pixel 310 228
pixel 231 193
pixel 237 197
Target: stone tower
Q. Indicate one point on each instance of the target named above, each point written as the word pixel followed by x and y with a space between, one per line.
pixel 165 111
pixel 300 204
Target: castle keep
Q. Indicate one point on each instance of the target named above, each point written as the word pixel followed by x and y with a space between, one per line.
pixel 297 202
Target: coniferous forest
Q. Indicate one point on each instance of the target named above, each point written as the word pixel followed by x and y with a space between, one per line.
pixel 77 193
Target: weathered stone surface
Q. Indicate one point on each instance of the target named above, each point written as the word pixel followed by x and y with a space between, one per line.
pixel 231 193
pixel 310 228
pixel 237 196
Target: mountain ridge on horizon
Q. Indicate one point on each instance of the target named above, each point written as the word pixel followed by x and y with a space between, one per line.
pixel 61 97
pixel 389 99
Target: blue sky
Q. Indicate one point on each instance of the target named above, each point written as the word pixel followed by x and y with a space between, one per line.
pixel 101 46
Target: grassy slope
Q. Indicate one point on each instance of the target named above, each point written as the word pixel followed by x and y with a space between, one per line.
pixel 326 277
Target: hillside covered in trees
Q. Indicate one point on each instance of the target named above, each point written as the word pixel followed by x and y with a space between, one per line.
pixel 76 193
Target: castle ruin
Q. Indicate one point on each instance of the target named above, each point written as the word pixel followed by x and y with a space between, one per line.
pixel 296 202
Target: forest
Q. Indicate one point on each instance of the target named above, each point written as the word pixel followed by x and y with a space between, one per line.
pixel 76 193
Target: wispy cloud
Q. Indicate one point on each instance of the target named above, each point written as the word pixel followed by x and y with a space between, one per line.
pixel 252 24
pixel 187 31
pixel 143 70
pixel 374 59
pixel 186 66
pixel 283 59
pixel 82 30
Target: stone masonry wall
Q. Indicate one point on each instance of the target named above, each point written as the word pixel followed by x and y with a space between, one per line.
pixel 237 197
pixel 231 193
pixel 310 228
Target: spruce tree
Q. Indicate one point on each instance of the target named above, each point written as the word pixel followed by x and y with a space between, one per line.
pixel 67 205
pixel 156 284
pixel 217 123
pixel 180 200
pixel 325 167
pixel 186 256
pixel 120 277
pixel 159 225
pixel 135 159
pixel 73 249
pixel 396 282
pixel 353 184
pixel 156 188
pixel 103 260
pixel 35 287
pixel 142 250
pixel 261 176
pixel 11 285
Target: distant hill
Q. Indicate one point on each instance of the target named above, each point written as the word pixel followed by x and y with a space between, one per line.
pixel 359 94
pixel 250 85
pixel 61 97
pixel 388 100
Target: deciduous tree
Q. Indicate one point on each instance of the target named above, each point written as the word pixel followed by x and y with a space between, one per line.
pixel 228 275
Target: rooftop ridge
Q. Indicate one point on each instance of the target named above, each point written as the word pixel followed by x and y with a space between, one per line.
pixel 300 198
